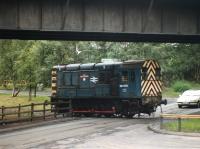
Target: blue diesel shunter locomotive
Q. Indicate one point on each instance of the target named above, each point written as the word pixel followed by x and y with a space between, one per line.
pixel 124 88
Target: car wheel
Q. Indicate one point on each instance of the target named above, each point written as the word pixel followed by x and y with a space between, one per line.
pixel 179 106
pixel 198 104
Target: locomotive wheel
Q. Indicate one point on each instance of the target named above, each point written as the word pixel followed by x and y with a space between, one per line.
pixel 87 115
pixel 180 106
pixel 108 115
pixel 130 116
pixel 76 115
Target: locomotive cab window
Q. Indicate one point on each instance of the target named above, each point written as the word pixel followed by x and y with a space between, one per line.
pixel 144 73
pixel 124 77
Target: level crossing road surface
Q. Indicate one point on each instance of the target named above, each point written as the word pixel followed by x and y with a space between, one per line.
pixel 103 133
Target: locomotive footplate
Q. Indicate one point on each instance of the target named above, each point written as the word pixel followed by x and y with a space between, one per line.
pixel 93 111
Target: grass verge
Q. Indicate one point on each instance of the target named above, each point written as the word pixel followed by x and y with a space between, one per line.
pixel 188 125
pixel 7 100
pixel 173 93
pixel 169 92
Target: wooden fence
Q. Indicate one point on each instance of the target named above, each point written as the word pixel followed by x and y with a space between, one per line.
pixel 176 117
pixel 34 111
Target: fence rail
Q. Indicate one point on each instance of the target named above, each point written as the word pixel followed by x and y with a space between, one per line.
pixel 34 110
pixel 176 117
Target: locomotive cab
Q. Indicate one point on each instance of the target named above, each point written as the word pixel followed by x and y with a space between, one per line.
pixel 130 83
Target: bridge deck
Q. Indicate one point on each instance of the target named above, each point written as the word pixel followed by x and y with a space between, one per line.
pixel 113 20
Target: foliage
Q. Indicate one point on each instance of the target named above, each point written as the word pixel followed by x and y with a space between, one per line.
pixel 181 86
pixel 33 60
pixel 9 58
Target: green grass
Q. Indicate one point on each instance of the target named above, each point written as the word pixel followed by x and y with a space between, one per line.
pixel 171 92
pixel 7 100
pixel 196 85
pixel 189 125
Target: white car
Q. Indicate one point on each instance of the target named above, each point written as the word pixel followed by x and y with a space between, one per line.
pixel 189 98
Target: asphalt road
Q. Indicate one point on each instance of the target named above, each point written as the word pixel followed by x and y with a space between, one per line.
pixel 105 133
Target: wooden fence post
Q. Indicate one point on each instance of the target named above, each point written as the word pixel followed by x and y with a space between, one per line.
pixel 161 122
pixel 32 110
pixel 179 124
pixel 19 111
pixel 44 110
pixel 70 108
pixel 2 112
pixel 55 110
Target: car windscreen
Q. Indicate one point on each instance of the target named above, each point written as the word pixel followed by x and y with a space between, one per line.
pixel 191 93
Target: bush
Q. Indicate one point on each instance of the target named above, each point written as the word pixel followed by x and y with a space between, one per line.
pixel 181 86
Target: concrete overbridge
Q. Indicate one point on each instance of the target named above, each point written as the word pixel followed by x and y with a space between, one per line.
pixel 108 20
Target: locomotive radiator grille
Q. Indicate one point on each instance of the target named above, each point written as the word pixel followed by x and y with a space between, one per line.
pixel 151 84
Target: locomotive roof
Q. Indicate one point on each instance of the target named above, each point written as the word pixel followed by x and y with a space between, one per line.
pixel 96 65
pixel 134 62
pixel 108 63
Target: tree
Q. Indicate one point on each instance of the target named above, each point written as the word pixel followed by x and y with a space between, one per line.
pixel 28 68
pixel 10 50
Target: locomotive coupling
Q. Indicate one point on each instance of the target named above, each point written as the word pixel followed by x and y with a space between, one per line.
pixel 164 102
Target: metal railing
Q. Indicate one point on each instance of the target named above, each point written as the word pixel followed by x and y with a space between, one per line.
pixel 175 120
pixel 34 111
